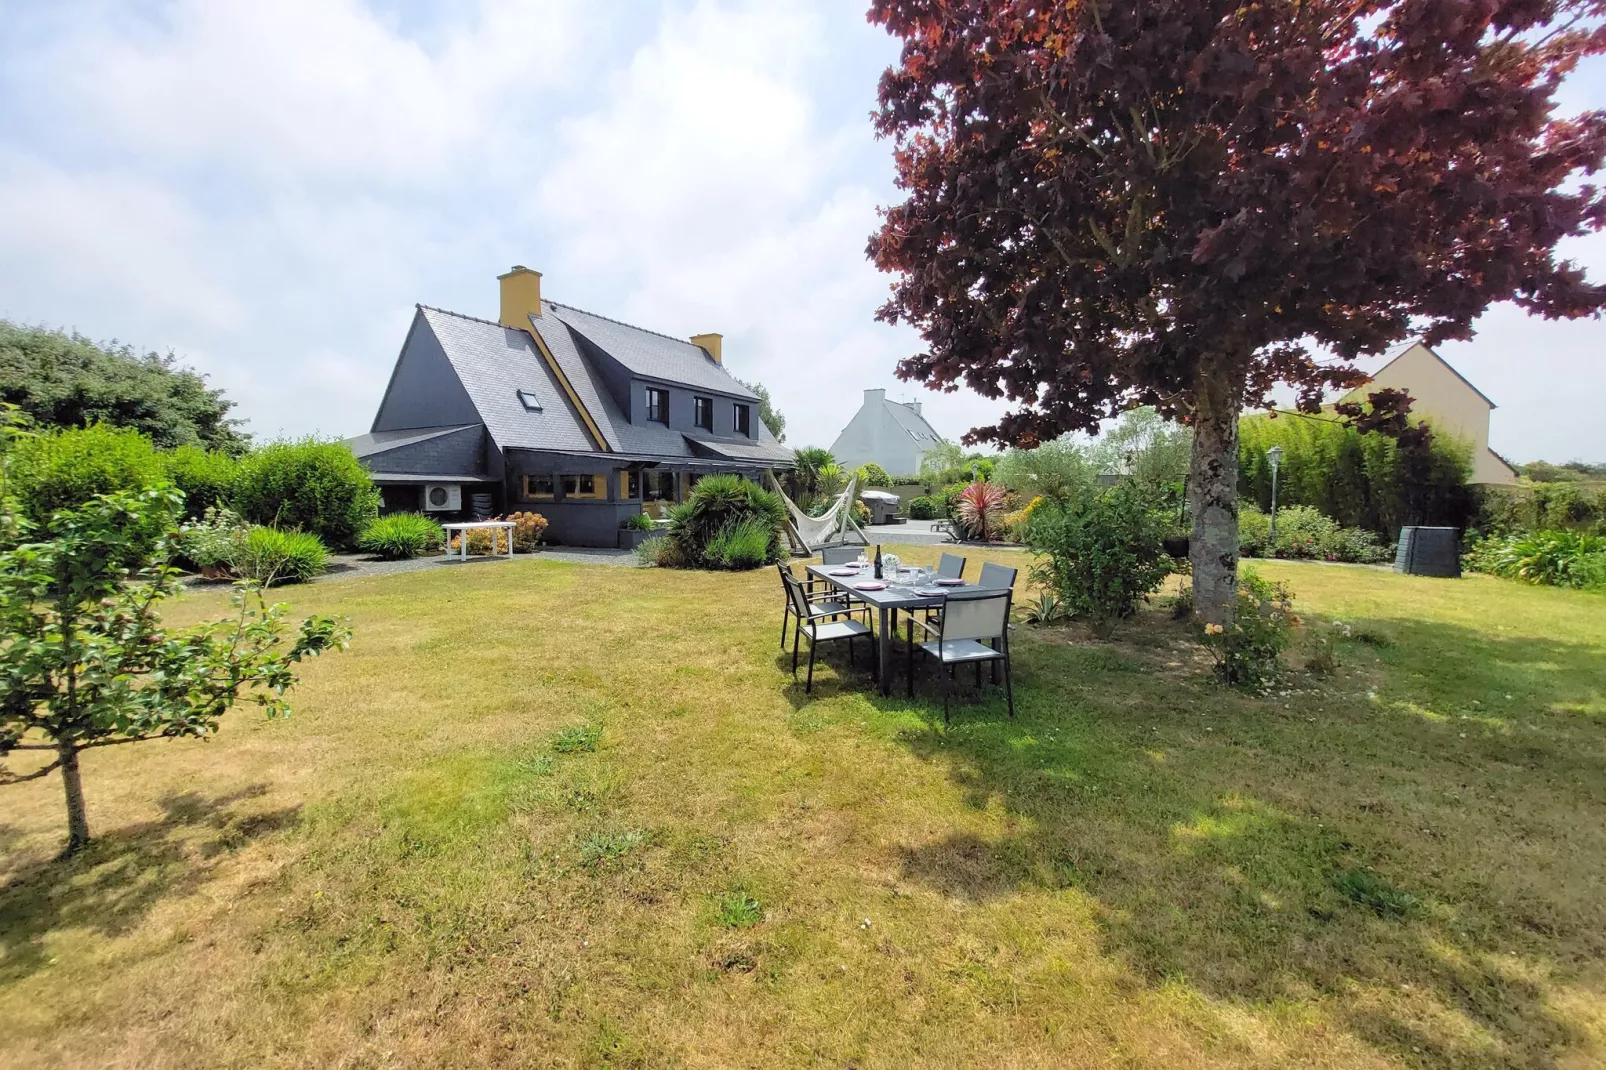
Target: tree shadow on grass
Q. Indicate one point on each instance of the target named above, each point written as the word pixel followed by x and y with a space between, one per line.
pixel 1261 855
pixel 113 883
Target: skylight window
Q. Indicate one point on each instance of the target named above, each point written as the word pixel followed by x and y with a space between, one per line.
pixel 530 402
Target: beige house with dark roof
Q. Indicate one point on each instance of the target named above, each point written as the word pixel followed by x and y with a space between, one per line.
pixel 1445 398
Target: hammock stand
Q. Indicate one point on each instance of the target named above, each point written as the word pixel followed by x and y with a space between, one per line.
pixel 834 527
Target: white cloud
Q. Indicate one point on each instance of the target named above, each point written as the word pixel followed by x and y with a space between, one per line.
pixel 299 90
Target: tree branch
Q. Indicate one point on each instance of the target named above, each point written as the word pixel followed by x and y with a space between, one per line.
pixel 7 777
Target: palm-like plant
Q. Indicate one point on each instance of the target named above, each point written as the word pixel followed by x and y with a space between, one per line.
pixel 805 478
pixel 980 510
pixel 830 480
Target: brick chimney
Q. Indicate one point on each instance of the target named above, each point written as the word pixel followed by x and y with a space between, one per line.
pixel 521 297
pixel 712 343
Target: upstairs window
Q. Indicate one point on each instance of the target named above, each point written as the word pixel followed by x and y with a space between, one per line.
pixel 530 402
pixel 744 420
pixel 657 405
pixel 705 413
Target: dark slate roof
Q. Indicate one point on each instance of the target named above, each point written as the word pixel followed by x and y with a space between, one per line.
pixel 912 422
pixel 650 354
pixel 495 363
pixel 373 442
pixel 737 448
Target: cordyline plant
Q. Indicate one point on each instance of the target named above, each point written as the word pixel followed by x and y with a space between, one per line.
pixel 85 661
pixel 980 510
pixel 1172 203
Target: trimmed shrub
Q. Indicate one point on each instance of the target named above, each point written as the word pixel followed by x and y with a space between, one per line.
pixel 719 502
pixel 206 477
pixel 63 469
pixel 401 536
pixel 1249 650
pixel 272 556
pixel 923 508
pixel 1100 552
pixel 318 487
pixel 873 475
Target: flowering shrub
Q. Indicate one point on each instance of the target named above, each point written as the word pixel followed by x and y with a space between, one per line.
pixel 1015 523
pixel 1248 651
pixel 527 531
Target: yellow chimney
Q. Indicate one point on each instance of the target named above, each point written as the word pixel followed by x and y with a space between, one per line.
pixel 712 343
pixel 521 297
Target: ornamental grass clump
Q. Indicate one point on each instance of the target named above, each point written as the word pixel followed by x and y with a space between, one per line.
pixel 401 536
pixel 270 556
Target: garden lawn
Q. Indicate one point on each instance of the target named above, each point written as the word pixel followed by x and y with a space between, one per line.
pixel 557 815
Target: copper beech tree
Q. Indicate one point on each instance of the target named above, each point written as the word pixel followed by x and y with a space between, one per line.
pixel 1175 202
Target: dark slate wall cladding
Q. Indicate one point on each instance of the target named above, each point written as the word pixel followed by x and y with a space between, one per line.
pixel 582 523
pixel 683 408
pixel 615 378
pixel 459 453
pixel 424 390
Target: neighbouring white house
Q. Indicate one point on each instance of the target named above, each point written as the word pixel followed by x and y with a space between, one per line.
pixel 893 434
pixel 1445 398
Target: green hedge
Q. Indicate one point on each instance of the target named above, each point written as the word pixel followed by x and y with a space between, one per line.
pixel 1360 481
pixel 312 486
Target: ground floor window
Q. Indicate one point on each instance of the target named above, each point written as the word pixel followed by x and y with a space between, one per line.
pixel 585 486
pixel 540 487
pixel 630 485
pixel 658 486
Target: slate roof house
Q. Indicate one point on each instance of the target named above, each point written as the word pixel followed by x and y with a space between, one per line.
pixel 557 411
pixel 893 434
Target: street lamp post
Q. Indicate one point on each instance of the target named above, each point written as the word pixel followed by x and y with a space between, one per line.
pixel 1275 456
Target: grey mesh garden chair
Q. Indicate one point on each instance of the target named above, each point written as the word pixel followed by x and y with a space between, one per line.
pixel 951 567
pixel 824 608
pixel 820 628
pixel 996 576
pixel 973 630
pixel 836 555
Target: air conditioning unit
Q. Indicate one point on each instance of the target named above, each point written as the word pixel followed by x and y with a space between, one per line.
pixel 443 497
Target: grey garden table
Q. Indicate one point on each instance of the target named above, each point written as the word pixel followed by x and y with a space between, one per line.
pixel 885 603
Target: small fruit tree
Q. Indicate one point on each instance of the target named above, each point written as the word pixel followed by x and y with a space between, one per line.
pixel 85 661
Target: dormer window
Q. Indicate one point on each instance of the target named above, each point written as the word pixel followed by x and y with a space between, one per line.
pixel 704 415
pixel 657 405
pixel 744 420
pixel 530 402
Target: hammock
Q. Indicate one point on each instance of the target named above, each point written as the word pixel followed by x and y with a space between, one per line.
pixel 830 526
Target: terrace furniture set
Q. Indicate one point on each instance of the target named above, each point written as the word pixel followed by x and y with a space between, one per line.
pixel 959 622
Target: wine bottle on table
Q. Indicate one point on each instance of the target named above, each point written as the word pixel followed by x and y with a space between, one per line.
pixel 878 561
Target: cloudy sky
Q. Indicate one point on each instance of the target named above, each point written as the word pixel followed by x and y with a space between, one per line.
pixel 268 188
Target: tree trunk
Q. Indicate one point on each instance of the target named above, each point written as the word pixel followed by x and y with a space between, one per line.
pixel 77 819
pixel 1213 492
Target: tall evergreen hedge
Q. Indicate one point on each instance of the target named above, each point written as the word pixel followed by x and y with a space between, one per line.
pixel 1361 481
